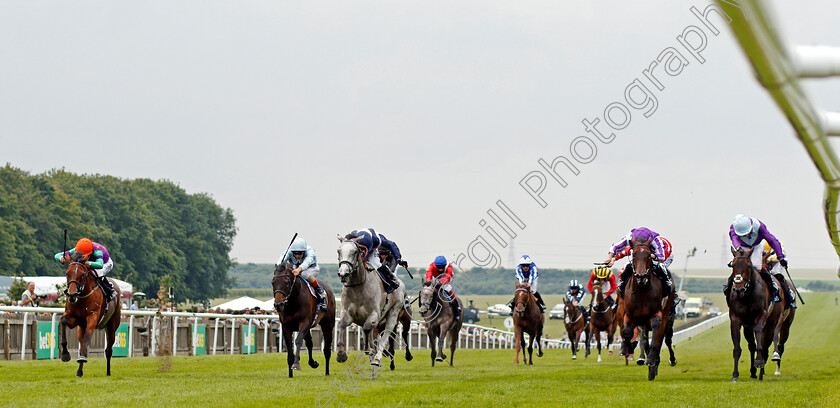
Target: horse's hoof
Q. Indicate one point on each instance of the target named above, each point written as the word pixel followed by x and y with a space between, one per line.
pixel 640 361
pixel 610 352
pixel 296 366
pixel 408 357
pixel 753 376
pixel 81 360
pixel 313 364
pixel 341 357
pixel 539 353
pixel 376 363
pixel 78 375
pixel 672 362
pixel 734 379
pixel 392 366
pixel 438 358
pixel 759 363
pixel 574 357
pixel 599 358
pixel 65 357
pixel 776 356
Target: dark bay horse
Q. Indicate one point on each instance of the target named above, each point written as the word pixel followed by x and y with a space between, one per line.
pixel 527 318
pixel 298 309
pixel 603 317
pixel 85 309
pixel 575 325
pixel 750 307
pixel 440 320
pixel 644 305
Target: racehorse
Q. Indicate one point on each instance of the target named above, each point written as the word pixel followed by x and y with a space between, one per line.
pixel 365 302
pixel 575 325
pixel 750 305
pixel 527 318
pixel 603 317
pixel 644 305
pixel 86 309
pixel 440 320
pixel 298 311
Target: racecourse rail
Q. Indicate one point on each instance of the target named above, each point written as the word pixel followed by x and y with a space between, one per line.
pixel 154 336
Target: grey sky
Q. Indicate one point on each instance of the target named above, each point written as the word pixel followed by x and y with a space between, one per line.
pixel 414 118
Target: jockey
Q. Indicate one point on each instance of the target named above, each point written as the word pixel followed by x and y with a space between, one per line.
pixel 303 259
pixel 608 285
pixel 747 232
pixel 372 243
pixel 442 271
pixel 575 294
pixel 662 253
pixel 527 274
pixel 101 262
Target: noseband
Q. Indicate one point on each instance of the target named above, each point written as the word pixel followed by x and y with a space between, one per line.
pixel 353 267
pixel 291 288
pixel 79 285
pixel 740 278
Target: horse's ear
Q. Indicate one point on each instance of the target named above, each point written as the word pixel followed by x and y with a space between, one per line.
pixel 649 240
pixel 748 252
pixel 734 251
pixel 357 239
pixel 340 238
pixel 729 264
pixel 427 283
pixel 632 242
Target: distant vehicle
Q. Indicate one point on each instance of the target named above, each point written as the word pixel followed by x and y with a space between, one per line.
pixel 471 314
pixel 707 302
pixel 693 307
pixel 499 309
pixel 714 311
pixel 557 312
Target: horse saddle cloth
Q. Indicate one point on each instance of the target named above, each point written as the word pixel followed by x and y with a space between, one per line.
pixel 109 311
pixel 311 288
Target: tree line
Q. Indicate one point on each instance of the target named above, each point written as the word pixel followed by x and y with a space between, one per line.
pixel 154 230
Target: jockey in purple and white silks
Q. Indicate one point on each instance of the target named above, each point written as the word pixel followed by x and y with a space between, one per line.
pixel 747 232
pixel 575 294
pixel 662 258
pixel 370 244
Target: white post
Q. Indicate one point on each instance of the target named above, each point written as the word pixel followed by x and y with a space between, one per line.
pixel 153 336
pixel 419 339
pixel 215 335
pixel 23 338
pixel 335 338
pixel 347 336
pixel 195 336
pixel 265 335
pixel 175 336
pixel 232 334
pixel 52 336
pixel 359 338
pixel 130 336
pixel 250 337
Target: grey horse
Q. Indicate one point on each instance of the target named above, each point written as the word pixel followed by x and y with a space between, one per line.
pixel 440 320
pixel 364 302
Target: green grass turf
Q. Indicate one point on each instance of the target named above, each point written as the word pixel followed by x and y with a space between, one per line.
pixel 810 372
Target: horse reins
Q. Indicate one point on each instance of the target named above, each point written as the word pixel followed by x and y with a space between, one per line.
pixel 291 288
pixel 353 266
pixel 81 286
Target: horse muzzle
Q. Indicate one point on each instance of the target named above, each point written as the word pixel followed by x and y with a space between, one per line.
pixel 423 310
pixel 279 307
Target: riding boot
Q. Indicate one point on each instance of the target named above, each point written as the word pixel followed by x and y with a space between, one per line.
pixel 663 275
pixel 389 279
pixel 728 287
pixel 622 279
pixel 790 298
pixel 456 309
pixel 774 285
pixel 510 304
pixel 322 298
pixel 585 312
pixel 540 302
pixel 107 289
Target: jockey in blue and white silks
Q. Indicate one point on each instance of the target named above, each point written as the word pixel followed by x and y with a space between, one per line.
pixel 305 263
pixel 575 294
pixel 371 243
pixel 528 274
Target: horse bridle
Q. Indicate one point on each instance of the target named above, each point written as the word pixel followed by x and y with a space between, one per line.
pixel 740 278
pixel 521 301
pixel 573 307
pixel 292 283
pixel 353 266
pixel 80 285
pixel 594 307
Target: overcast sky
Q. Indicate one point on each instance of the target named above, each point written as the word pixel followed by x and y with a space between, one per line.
pixel 415 117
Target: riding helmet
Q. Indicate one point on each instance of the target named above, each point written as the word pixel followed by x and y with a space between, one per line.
pixel 84 246
pixel 440 261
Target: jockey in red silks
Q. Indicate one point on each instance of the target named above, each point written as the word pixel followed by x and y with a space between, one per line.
pixel 442 271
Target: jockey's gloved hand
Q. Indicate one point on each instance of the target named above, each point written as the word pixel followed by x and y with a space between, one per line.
pixel 402 263
pixel 783 262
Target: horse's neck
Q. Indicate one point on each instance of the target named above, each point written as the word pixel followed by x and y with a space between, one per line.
pixel 359 275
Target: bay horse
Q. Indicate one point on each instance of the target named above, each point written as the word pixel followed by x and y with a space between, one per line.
pixel 575 325
pixel 440 320
pixel 87 310
pixel 527 318
pixel 602 318
pixel 365 302
pixel 750 306
pixel 298 311
pixel 644 305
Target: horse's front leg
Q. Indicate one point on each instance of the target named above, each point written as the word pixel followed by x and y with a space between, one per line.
pixel 627 331
pixel 381 341
pixel 84 341
pixel 290 348
pixel 759 341
pixel 518 344
pixel 444 329
pixel 658 331
pixel 309 346
pixel 749 335
pixel 303 331
pixel 735 331
pixel 66 322
pixel 597 334
pixel 343 322
pixel 531 338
